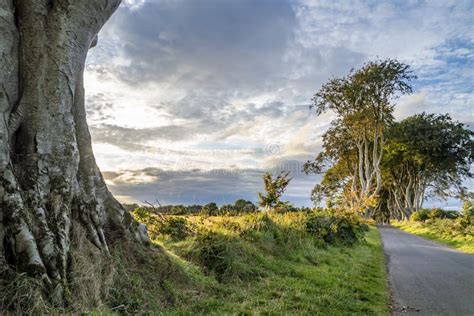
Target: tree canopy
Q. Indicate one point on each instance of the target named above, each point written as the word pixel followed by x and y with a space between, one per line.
pixel 274 188
pixel 425 153
pixel 363 102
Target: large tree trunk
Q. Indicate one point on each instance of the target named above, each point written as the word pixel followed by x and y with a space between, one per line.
pixel 49 180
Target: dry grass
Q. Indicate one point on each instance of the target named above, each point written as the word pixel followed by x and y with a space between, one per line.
pixel 22 295
pixel 93 276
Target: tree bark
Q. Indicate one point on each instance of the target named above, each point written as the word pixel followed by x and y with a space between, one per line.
pixel 49 180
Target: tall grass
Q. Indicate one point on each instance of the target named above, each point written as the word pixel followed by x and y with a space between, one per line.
pixel 271 264
pixel 258 263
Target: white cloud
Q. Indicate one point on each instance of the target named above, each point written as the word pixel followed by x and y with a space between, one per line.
pixel 182 85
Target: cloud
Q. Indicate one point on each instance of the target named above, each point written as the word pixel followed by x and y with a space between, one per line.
pixel 210 84
pixel 199 186
pixel 127 138
pixel 208 42
pixel 411 104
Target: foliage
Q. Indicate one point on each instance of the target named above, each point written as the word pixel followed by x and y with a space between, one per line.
pixel 244 205
pixel 240 206
pixel 425 155
pixel 274 188
pixel 457 232
pixel 425 214
pixel 224 256
pixel 353 145
pixel 440 213
pixel 267 263
pixel 371 87
pixel 210 209
pixel 468 206
pixel 167 209
pixel 420 215
pixel 257 263
pixel 336 229
pixel 177 228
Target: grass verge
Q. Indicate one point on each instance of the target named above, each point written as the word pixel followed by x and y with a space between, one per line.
pixel 437 231
pixel 266 265
pixel 254 264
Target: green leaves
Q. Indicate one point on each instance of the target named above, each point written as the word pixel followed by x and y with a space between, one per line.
pixel 433 146
pixel 369 90
pixel 274 187
pixel 353 145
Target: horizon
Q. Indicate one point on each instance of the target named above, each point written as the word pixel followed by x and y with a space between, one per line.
pixel 190 103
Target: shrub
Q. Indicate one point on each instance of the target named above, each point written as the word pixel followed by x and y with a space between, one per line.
pixel 177 228
pixel 226 257
pixel 435 213
pixel 210 209
pixel 336 229
pixel 213 253
pixel 468 208
pixel 439 213
pixel 284 207
pixel 420 215
pixel 244 206
pixel 151 220
pixel 426 214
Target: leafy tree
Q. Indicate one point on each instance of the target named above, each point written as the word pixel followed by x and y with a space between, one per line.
pixel 274 188
pixel 239 206
pixel 353 145
pixel 244 206
pixel 211 209
pixel 425 154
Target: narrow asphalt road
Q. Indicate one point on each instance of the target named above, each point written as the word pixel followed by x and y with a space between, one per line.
pixel 427 278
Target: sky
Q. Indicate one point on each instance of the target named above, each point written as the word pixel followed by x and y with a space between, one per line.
pixel 192 101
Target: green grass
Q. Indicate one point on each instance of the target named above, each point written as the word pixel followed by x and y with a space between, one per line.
pixel 254 264
pixel 257 265
pixel 440 230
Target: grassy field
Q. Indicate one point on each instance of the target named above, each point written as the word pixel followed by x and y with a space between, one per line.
pixel 253 265
pixel 440 230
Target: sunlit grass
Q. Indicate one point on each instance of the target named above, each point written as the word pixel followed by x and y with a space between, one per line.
pixel 440 230
pixel 278 269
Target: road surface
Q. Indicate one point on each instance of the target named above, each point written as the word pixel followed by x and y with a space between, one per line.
pixel 427 278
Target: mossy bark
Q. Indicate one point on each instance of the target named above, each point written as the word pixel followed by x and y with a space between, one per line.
pixel 49 180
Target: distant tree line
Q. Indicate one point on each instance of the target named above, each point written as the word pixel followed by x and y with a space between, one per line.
pixel 274 188
pixel 212 209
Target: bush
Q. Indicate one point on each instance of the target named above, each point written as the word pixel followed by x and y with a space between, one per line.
pixel 439 213
pixel 452 226
pixel 213 253
pixel 210 209
pixel 240 206
pixel 151 220
pixel 420 215
pixel 336 229
pixel 435 213
pixel 177 228
pixel 226 257
pixel 468 208
pixel 425 214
